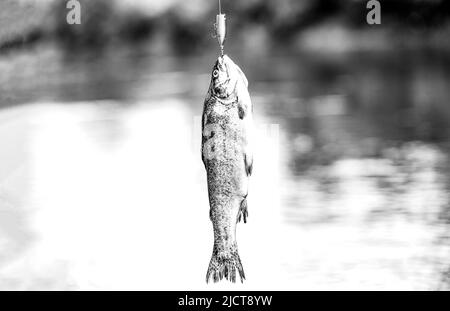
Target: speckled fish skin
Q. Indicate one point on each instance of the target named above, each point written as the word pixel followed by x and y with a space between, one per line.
pixel 227 156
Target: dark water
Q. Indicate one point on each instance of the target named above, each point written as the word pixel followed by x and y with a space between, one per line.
pixel 101 182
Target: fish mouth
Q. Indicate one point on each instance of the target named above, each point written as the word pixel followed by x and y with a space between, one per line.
pixel 221 88
pixel 223 63
pixel 220 64
pixel 221 59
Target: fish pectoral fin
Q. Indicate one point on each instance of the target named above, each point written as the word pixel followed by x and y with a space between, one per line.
pixel 248 161
pixel 243 211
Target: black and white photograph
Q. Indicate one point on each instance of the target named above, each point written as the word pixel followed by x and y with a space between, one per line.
pixel 224 145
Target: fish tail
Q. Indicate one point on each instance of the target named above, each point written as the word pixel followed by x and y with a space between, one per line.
pixel 224 265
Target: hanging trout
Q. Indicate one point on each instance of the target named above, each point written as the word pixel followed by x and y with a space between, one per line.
pixel 228 159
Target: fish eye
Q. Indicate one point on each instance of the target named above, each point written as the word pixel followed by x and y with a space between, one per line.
pixel 215 73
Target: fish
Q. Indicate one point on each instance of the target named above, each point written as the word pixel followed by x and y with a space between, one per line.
pixel 227 154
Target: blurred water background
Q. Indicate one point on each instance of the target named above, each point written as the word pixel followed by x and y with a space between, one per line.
pixel 101 180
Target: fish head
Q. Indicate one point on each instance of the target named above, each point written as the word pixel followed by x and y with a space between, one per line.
pixel 225 76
